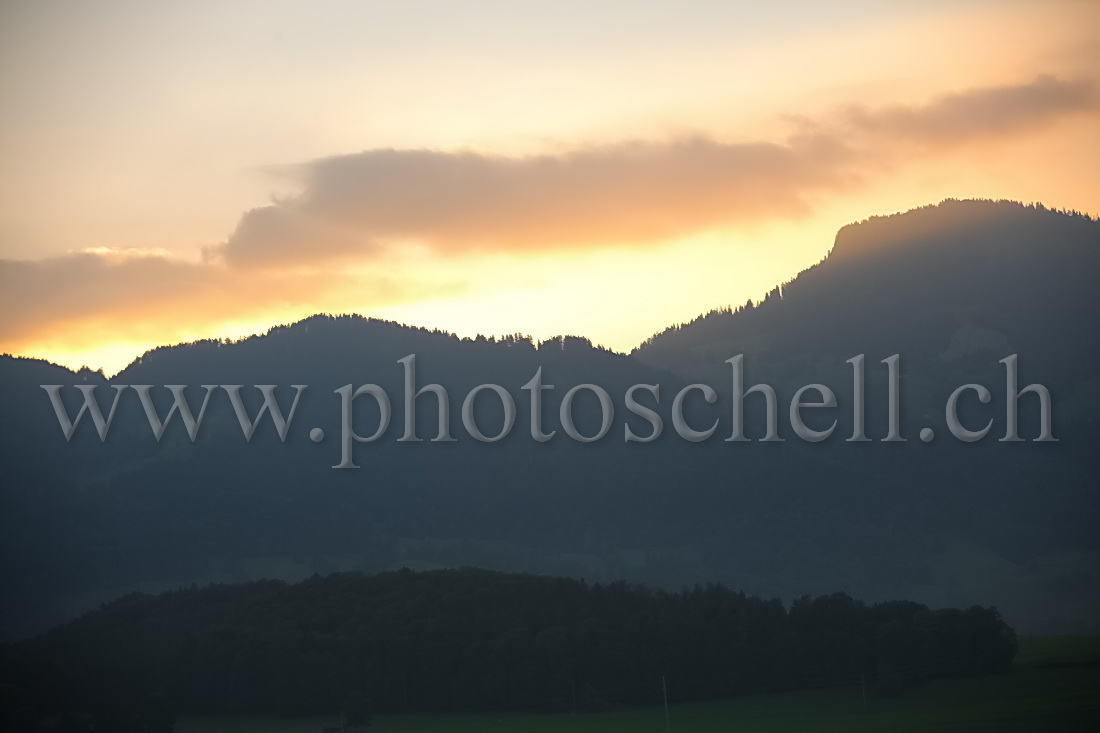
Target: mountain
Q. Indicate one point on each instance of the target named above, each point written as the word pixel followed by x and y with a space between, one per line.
pixel 951 289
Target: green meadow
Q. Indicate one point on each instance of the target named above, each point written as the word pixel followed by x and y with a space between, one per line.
pixel 1054 686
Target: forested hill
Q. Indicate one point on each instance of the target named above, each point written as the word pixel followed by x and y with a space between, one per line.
pixel 465 640
pixel 946 286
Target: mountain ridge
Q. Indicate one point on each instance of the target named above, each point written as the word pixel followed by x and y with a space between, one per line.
pixel 944 523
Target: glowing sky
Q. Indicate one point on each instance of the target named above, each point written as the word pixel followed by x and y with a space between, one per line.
pixel 173 171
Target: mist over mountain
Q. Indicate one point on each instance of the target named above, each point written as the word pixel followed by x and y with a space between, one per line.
pixel 952 289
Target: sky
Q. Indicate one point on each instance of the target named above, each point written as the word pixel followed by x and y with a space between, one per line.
pixel 186 170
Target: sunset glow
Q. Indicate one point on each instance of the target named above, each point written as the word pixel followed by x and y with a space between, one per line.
pixel 210 170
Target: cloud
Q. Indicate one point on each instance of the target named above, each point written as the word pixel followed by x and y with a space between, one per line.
pixel 628 194
pixel 40 293
pixel 989 112
pixel 293 256
pixel 276 236
pixel 632 193
pixel 86 297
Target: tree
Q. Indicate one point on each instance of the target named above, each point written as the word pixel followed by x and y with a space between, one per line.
pixel 357 710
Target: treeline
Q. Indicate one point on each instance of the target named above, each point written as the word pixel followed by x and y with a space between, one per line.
pixel 327 322
pixel 464 640
pixel 996 225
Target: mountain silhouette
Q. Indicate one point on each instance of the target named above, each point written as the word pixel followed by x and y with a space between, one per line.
pixel 951 289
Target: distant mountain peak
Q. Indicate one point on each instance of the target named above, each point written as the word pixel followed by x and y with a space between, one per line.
pixel 915 277
pixel 951 220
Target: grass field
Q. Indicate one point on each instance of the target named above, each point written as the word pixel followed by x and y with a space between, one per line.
pixel 1054 686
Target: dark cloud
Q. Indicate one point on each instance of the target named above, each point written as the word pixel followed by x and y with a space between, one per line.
pixel 980 113
pixel 632 193
pixel 278 235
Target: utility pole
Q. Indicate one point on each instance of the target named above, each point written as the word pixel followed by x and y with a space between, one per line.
pixel 863 687
pixel 573 686
pixel 664 692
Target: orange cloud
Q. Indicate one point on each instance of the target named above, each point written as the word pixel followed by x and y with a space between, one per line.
pixel 292 257
pixel 990 112
pixel 633 193
pixel 287 234
pixel 87 298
